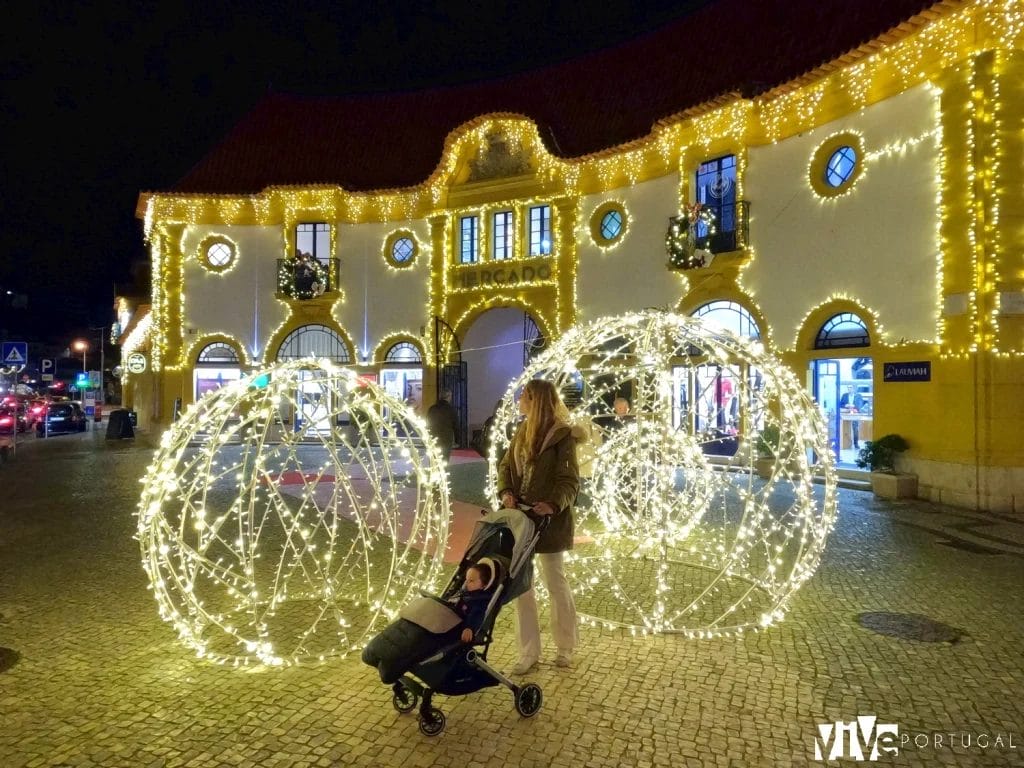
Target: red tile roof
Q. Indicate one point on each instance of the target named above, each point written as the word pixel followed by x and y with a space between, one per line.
pixel 582 106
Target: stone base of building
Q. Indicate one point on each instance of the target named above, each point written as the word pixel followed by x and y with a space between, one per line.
pixel 991 489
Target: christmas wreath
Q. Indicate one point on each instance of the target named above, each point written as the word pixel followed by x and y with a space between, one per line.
pixel 681 238
pixel 303 277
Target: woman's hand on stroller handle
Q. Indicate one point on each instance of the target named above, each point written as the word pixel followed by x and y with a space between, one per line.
pixel 543 508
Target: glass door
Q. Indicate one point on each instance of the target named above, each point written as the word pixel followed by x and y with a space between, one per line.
pixel 825 391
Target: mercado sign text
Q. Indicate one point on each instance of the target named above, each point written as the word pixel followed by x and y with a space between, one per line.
pixel 501 276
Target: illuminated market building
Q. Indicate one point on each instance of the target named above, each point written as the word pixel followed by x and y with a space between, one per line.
pixel 863 218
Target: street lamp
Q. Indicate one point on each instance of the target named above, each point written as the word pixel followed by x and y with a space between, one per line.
pixel 103 347
pixel 81 346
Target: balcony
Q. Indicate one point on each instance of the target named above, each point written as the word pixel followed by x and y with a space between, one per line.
pixel 307 279
pixel 732 227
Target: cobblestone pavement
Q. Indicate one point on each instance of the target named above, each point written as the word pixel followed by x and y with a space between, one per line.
pixel 99 680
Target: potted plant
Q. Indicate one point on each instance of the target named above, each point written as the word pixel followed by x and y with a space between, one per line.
pixel 767 448
pixel 880 457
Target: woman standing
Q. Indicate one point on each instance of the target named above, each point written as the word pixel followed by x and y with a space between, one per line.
pixel 540 469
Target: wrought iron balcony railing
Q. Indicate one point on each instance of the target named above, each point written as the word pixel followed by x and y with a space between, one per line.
pixel 732 229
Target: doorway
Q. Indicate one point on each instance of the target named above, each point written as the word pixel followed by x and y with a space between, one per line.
pixel 496 349
pixel 844 392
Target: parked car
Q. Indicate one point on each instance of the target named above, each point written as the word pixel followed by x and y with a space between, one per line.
pixel 62 417
pixel 34 412
pixel 9 414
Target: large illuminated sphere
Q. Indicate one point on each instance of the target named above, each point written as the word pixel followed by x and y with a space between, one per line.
pixel 288 516
pixel 703 509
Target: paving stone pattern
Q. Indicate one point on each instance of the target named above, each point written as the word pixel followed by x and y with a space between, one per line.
pixel 100 680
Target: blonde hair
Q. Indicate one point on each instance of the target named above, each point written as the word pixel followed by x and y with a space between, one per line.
pixel 544 407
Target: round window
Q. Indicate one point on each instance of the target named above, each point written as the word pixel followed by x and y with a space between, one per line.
pixel 400 249
pixel 840 166
pixel 608 224
pixel 403 250
pixel 611 225
pixel 219 255
pixel 837 164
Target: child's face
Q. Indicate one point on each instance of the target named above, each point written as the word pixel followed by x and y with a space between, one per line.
pixel 473 580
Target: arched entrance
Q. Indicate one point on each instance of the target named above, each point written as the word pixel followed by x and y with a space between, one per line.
pixel 716 398
pixel 842 385
pixel 496 348
pixel 216 364
pixel 313 341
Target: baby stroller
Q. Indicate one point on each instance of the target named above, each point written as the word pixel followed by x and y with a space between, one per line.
pixel 504 540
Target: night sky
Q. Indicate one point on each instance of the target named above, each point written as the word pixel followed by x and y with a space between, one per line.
pixel 103 100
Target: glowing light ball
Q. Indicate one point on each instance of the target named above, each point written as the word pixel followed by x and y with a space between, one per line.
pixel 287 516
pixel 703 509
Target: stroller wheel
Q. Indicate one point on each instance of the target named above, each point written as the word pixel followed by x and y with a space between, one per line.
pixel 404 700
pixel 528 700
pixel 434 724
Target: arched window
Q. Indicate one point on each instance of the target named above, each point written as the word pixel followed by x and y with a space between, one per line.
pixel 403 352
pixel 216 365
pixel 218 353
pixel 314 341
pixel 843 330
pixel 729 316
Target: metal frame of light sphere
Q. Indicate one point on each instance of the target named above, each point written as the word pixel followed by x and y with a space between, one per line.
pixel 270 545
pixel 677 531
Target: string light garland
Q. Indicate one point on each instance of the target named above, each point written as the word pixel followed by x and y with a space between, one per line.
pixel 679 532
pixel 288 516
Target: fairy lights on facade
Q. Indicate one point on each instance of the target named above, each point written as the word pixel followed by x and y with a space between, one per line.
pixel 965 54
pixel 278 542
pixel 680 533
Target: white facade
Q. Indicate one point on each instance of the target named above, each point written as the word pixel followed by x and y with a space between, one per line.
pixel 830 247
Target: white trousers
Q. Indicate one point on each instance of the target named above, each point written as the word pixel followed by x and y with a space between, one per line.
pixel 563 610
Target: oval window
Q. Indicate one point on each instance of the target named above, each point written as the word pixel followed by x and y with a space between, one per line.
pixel 216 253
pixel 611 225
pixel 219 255
pixel 402 250
pixel 840 166
pixel 608 224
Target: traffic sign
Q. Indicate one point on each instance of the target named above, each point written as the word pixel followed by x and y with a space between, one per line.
pixel 82 380
pixel 14 353
pixel 47 365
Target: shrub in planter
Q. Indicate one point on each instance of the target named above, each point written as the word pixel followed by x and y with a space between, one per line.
pixel 880 455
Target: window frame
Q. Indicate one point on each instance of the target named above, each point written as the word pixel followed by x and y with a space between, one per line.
pixel 326 228
pixel 818 165
pixel 472 240
pixel 210 242
pixel 536 228
pixel 505 230
pixel 716 166
pixel 597 223
pixel 392 240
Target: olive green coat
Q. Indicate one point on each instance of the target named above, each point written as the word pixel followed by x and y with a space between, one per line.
pixel 554 477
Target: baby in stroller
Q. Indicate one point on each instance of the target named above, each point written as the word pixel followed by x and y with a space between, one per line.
pixel 443 640
pixel 430 623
